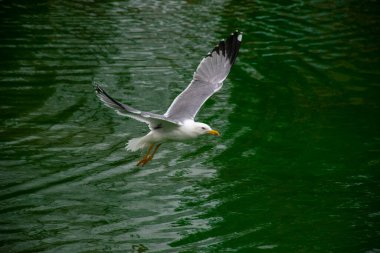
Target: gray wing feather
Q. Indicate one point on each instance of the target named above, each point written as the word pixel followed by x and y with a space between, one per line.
pixel 152 119
pixel 207 79
pixel 187 104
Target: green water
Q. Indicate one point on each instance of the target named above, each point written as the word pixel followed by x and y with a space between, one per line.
pixel 295 170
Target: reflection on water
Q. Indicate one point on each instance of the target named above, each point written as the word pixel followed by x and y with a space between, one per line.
pixel 296 168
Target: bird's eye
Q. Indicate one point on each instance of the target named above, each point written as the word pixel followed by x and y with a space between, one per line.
pixel 203 128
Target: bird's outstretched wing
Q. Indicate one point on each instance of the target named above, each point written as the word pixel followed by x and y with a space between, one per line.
pixel 152 119
pixel 207 79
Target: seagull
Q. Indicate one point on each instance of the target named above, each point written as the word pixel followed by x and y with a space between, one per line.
pixel 177 124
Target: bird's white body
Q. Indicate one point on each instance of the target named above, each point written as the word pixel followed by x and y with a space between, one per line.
pixel 188 130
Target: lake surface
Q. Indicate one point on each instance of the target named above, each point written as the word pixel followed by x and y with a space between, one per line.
pixel 297 167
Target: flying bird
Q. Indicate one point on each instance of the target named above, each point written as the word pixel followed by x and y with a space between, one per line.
pixel 177 124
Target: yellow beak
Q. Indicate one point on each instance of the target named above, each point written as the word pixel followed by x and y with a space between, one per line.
pixel 214 132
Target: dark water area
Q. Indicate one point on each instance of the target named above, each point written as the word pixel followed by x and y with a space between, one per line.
pixel 297 167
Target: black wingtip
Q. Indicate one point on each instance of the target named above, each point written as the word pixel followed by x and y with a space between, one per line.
pixel 107 99
pixel 98 88
pixel 234 42
pixel 229 47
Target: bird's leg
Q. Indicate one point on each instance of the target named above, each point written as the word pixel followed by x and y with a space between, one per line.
pixel 144 160
pixel 150 157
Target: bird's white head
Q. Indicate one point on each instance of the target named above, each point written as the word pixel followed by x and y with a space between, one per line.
pixel 202 128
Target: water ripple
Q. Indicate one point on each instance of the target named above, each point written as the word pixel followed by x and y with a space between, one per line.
pixel 298 105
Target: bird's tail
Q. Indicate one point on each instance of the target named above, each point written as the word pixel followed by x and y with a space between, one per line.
pixel 136 144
